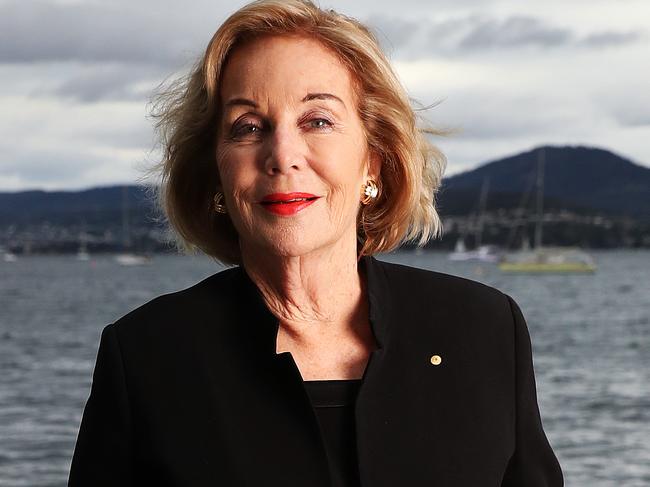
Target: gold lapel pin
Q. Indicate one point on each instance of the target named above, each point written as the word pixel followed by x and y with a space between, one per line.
pixel 436 359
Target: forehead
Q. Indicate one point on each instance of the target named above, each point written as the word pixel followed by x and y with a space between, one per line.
pixel 285 66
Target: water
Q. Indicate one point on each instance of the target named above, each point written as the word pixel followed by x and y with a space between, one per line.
pixel 591 341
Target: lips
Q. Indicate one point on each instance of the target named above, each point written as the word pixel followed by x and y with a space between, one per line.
pixel 287 203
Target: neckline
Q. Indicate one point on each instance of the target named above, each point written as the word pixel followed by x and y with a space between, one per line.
pixel 378 295
pixel 332 393
pixel 333 381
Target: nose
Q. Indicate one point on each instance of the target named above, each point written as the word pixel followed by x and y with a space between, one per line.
pixel 285 151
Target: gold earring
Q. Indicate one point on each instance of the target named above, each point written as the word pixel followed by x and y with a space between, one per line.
pixel 218 206
pixel 370 192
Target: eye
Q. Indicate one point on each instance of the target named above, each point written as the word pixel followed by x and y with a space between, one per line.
pixel 245 129
pixel 249 128
pixel 320 123
pixel 316 121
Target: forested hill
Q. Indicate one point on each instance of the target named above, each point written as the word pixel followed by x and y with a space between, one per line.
pixel 579 178
pixel 93 206
pixel 574 178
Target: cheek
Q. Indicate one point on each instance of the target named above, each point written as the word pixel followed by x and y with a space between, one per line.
pixel 225 164
pixel 342 164
pixel 235 167
pixel 341 169
pixel 237 175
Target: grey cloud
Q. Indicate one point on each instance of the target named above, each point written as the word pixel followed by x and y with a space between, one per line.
pixel 476 33
pixel 514 31
pixel 628 119
pixel 96 32
pixel 629 106
pixel 480 114
pixel 132 134
pixel 610 38
pixel 471 33
pixel 466 34
pixel 96 87
pixel 37 167
pixel 153 33
pixel 124 82
pixel 392 32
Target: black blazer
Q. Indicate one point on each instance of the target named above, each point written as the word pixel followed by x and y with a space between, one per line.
pixel 188 391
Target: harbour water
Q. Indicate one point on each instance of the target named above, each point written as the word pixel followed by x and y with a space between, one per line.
pixel 590 333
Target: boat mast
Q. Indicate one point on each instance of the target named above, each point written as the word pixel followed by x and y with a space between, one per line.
pixel 540 197
pixel 481 211
pixel 126 230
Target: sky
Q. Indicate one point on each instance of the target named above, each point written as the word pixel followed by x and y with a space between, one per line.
pixel 76 78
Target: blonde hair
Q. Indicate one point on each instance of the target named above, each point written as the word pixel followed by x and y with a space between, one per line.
pixel 187 114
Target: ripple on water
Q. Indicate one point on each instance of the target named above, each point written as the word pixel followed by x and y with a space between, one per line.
pixel 590 334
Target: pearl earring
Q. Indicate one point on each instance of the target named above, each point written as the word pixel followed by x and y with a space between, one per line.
pixel 370 192
pixel 218 206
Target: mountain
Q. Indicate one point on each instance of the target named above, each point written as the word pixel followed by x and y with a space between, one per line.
pixel 592 197
pixel 94 205
pixel 579 178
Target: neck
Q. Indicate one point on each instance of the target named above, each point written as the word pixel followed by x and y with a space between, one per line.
pixel 312 294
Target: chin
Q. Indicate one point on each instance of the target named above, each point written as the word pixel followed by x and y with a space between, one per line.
pixel 296 238
pixel 291 249
pixel 289 246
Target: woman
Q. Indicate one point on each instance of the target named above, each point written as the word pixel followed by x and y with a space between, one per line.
pixel 292 151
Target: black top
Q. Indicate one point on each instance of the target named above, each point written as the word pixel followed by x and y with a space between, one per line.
pixel 333 401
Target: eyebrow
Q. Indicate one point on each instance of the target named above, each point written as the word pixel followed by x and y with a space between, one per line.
pixel 241 101
pixel 309 97
pixel 322 96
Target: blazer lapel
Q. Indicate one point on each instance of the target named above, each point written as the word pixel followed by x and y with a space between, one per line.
pixel 264 426
pixel 263 412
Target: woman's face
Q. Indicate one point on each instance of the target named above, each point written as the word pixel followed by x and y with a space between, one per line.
pixel 290 131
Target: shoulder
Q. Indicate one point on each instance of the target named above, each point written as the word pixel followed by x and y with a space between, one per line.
pixel 431 303
pixel 186 306
pixel 426 284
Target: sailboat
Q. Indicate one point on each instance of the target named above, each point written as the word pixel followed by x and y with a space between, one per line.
pixel 542 259
pixel 7 255
pixel 127 257
pixel 82 253
pixel 485 253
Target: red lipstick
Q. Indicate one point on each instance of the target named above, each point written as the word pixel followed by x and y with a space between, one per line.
pixel 286 204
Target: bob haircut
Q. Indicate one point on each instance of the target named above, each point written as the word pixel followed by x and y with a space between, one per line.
pixel 187 114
